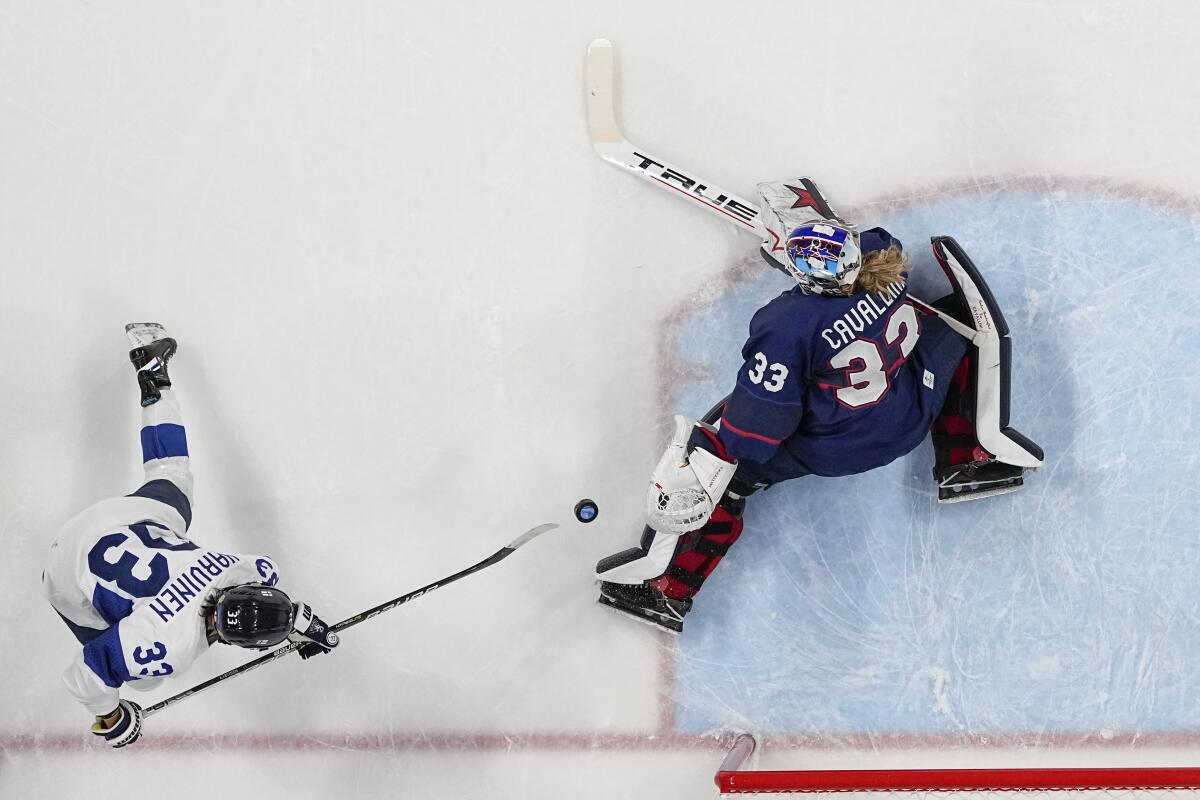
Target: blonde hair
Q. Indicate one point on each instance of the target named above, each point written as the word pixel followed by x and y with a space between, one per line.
pixel 880 270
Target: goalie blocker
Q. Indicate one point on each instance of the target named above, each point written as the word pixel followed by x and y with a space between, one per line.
pixel 978 454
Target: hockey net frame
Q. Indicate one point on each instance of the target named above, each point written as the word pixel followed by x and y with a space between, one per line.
pixel 1097 781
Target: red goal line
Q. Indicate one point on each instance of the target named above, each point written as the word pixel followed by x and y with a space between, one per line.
pixel 731 780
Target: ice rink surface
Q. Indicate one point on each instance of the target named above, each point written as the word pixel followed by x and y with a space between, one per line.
pixel 417 315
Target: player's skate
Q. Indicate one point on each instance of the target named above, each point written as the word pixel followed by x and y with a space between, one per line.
pixel 152 349
pixel 977 453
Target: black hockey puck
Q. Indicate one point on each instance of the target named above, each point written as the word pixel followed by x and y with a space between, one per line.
pixel 586 510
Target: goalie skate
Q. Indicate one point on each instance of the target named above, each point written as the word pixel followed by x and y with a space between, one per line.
pixel 977 480
pixel 645 604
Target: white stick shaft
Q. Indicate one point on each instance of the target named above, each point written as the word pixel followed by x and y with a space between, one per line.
pixel 612 146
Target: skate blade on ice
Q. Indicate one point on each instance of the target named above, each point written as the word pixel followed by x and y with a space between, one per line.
pixel 658 621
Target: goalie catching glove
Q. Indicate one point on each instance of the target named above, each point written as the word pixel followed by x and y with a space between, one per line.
pixel 685 486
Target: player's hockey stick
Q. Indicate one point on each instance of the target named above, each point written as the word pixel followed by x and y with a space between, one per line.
pixel 494 558
pixel 613 147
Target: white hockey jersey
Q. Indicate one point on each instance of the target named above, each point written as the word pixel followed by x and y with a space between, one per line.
pixel 127 581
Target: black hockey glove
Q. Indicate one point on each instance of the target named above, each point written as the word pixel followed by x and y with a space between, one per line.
pixel 311 633
pixel 125 730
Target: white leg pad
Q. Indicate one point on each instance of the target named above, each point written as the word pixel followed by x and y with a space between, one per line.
pixel 649 566
pixel 990 362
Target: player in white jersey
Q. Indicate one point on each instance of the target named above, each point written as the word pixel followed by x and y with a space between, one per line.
pixel 141 597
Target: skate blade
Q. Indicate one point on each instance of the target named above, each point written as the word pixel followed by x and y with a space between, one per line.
pixel 144 333
pixel 673 627
pixel 978 494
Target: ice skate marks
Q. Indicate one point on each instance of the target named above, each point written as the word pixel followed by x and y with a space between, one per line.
pixel 855 606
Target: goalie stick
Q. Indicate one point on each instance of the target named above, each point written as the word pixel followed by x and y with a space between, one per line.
pixel 494 558
pixel 613 147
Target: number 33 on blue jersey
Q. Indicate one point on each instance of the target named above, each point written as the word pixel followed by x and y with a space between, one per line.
pixel 770 376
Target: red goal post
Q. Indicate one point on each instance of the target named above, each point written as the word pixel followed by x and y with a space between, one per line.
pixel 1097 782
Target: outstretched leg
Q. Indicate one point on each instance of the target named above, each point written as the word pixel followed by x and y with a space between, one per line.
pixel 163 437
pixel 978 454
pixel 656 581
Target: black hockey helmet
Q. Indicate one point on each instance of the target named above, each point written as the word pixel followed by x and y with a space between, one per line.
pixel 253 615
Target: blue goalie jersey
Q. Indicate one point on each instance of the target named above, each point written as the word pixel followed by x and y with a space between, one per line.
pixel 836 385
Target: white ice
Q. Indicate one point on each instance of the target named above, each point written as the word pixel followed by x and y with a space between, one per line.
pixel 417 315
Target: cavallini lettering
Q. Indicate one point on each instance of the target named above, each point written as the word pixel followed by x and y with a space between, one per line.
pixel 845 329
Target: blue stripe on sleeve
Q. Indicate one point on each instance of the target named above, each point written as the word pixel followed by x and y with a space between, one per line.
pixel 110 605
pixel 164 491
pixel 163 441
pixel 103 656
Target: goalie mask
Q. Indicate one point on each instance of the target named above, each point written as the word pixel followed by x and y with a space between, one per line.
pixel 807 239
pixel 253 615
pixel 823 257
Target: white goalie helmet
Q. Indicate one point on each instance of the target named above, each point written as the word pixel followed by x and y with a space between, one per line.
pixel 807 239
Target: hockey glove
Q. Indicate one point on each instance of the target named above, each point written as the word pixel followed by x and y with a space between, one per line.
pixel 311 633
pixel 125 730
pixel 685 487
